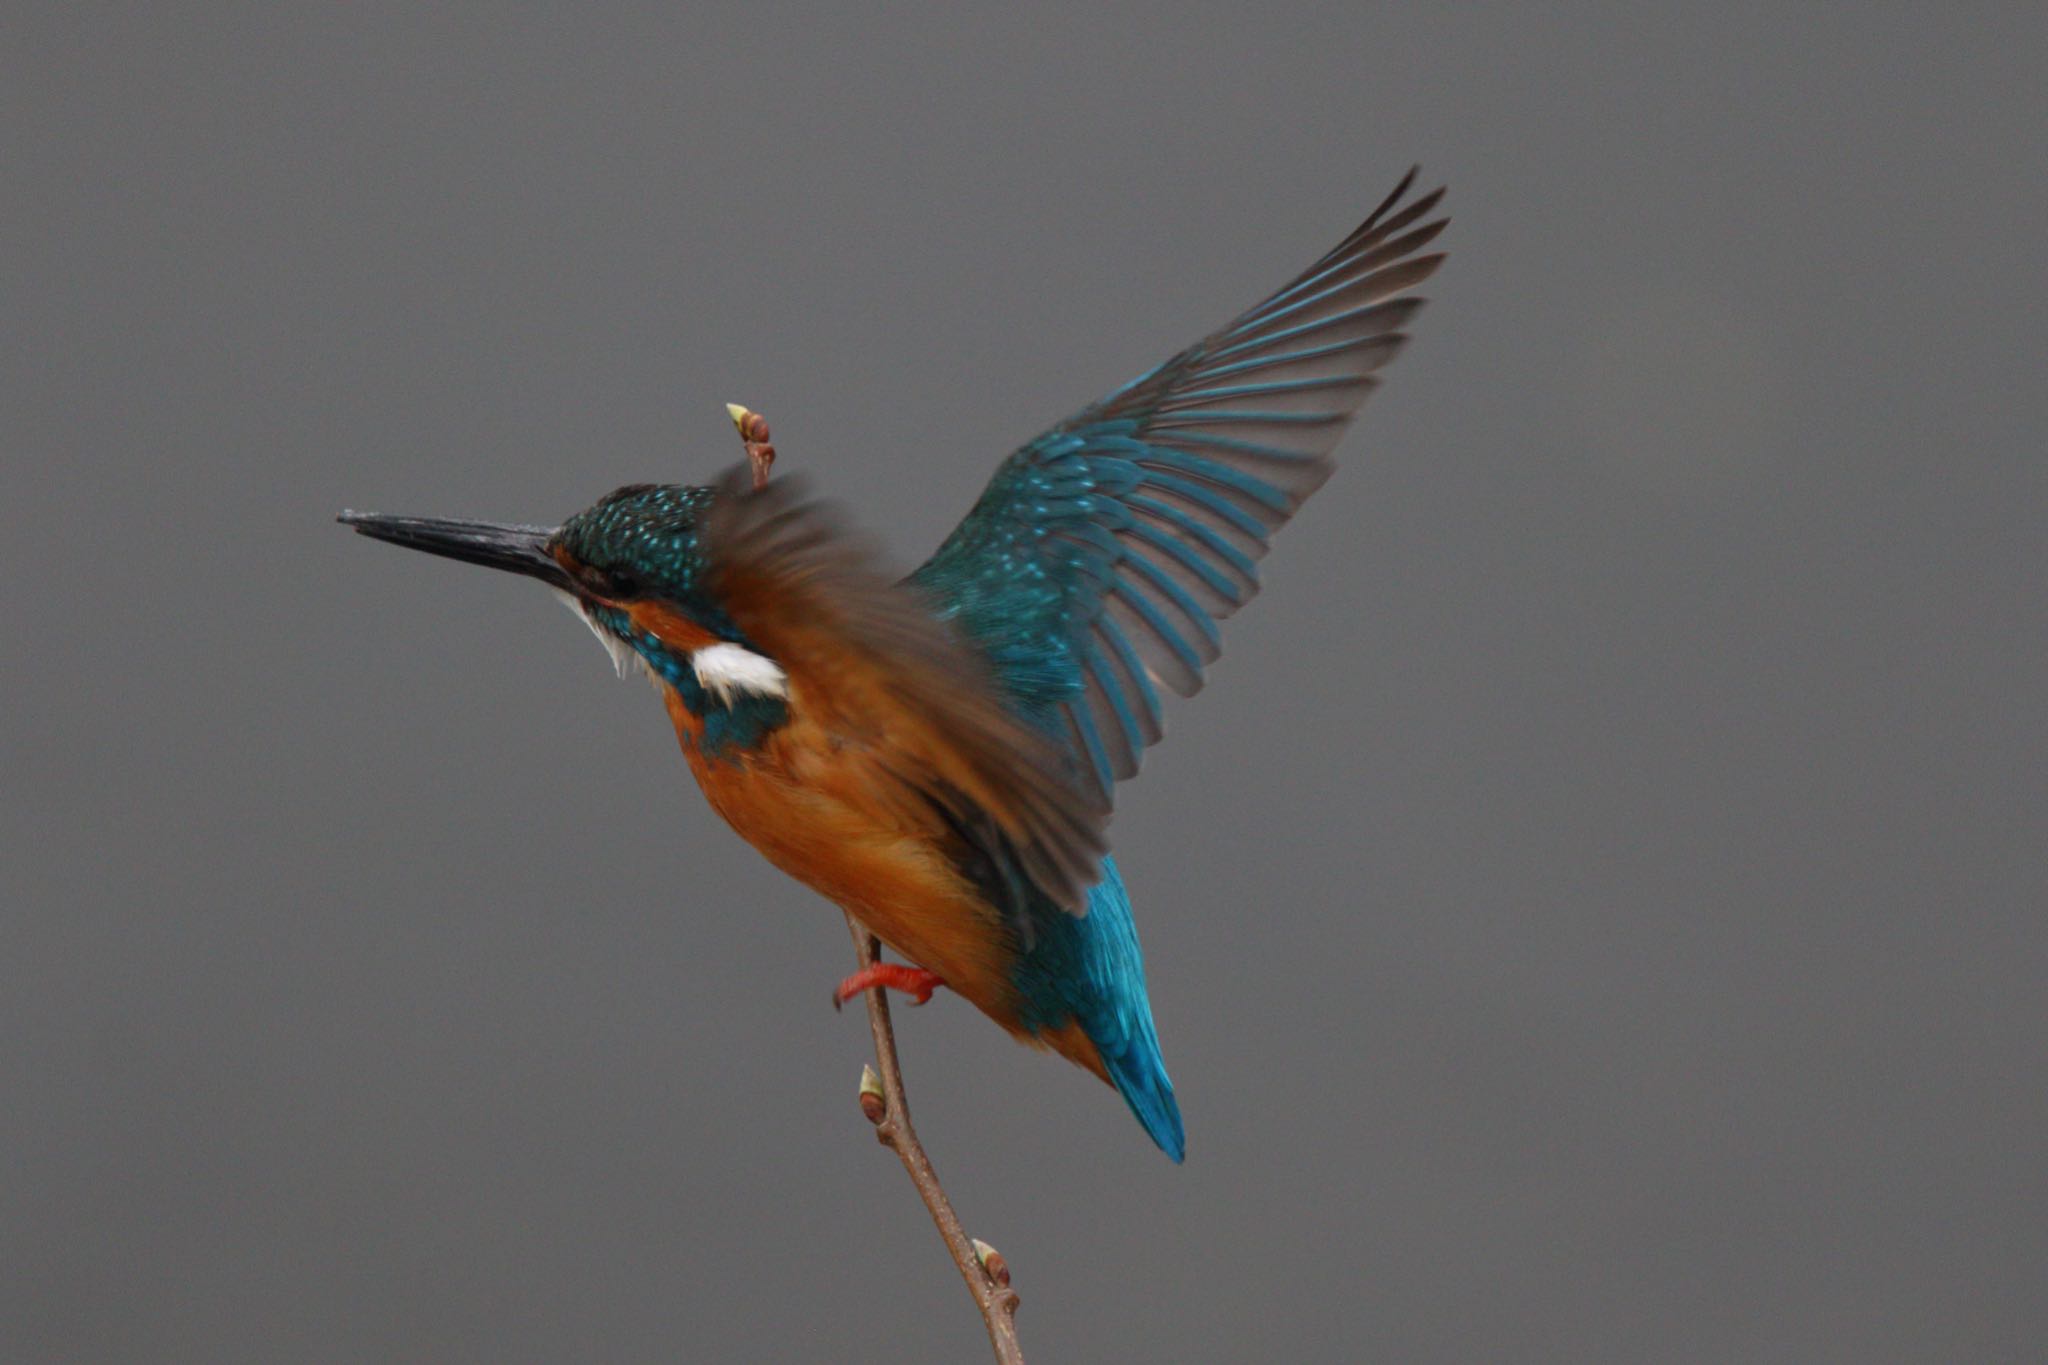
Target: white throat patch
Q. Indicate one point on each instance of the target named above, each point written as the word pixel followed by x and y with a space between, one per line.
pixel 624 656
pixel 727 668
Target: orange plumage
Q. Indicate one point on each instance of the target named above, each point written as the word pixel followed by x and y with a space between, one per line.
pixel 808 802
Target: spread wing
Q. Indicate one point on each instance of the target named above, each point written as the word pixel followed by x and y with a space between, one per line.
pixel 934 742
pixel 1103 554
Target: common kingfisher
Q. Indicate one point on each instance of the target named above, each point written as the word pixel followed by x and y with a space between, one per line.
pixel 936 755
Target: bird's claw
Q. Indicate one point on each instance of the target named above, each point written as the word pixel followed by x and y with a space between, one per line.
pixel 915 982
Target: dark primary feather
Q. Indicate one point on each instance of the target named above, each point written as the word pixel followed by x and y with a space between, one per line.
pixel 1102 555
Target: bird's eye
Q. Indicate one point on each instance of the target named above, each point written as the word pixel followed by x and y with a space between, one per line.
pixel 620 583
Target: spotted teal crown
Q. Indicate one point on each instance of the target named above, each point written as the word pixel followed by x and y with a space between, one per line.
pixel 643 540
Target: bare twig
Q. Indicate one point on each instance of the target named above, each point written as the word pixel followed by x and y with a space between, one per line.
pixel 987 1277
pixel 881 1096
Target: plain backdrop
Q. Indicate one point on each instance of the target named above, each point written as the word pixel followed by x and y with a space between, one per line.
pixel 1594 914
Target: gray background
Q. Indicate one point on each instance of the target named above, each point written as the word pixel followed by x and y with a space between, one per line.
pixel 1595 913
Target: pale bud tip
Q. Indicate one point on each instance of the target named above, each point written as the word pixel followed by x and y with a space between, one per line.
pixel 738 413
pixel 873 1103
pixel 992 1261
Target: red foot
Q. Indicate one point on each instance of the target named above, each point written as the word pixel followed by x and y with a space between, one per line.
pixel 915 982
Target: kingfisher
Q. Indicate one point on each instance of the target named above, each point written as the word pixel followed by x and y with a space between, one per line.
pixel 937 755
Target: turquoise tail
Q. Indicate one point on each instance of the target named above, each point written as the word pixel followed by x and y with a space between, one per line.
pixel 1091 969
pixel 1140 1076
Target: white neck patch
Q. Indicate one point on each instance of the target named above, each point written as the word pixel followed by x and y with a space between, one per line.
pixel 726 668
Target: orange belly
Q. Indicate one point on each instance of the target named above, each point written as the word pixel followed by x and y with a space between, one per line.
pixel 798 799
pixel 806 802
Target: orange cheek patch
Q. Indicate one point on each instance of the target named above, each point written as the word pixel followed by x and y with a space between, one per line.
pixel 659 619
pixel 670 626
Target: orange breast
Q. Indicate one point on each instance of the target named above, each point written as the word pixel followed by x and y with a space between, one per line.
pixel 806 801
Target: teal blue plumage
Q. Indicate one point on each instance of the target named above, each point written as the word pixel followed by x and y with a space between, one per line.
pixel 1095 568
pixel 1090 968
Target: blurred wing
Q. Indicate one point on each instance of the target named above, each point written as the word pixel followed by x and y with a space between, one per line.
pixel 1102 555
pixel 917 706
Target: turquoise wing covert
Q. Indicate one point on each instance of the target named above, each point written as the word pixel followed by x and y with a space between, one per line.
pixel 1102 555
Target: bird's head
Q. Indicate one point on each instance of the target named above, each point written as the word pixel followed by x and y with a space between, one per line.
pixel 634 566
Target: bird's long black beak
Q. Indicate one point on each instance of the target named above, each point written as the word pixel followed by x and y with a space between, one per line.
pixel 521 549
